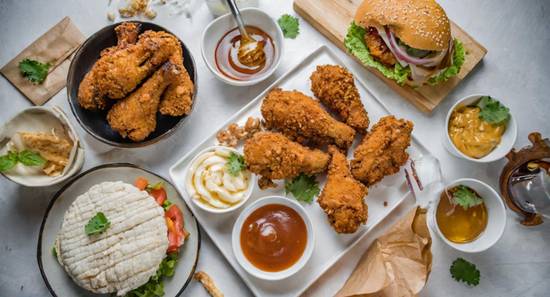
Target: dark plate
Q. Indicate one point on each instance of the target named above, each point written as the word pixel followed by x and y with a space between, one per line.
pixel 95 122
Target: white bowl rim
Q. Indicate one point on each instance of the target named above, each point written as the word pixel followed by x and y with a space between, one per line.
pixel 78 159
pixel 212 209
pixel 511 128
pixel 500 204
pixel 236 244
pixel 258 79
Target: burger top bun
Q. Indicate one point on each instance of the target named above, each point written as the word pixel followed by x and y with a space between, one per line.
pixel 421 24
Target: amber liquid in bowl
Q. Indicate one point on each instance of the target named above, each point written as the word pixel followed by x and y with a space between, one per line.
pixel 273 237
pixel 457 224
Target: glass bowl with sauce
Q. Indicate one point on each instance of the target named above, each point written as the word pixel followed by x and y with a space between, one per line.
pixel 475 228
pixel 273 238
pixel 470 138
pixel 221 41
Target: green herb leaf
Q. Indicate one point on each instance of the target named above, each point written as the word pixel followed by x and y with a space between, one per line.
pixel 235 164
pixel 159 185
pixel 166 204
pixel 465 197
pixel 303 188
pixel 289 25
pixel 464 271
pixel 492 111
pixel 155 287
pixel 34 71
pixel 54 251
pixel 8 161
pixel 97 224
pixel 30 158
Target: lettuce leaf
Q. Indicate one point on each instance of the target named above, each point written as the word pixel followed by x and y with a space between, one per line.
pixel 355 43
pixel 458 61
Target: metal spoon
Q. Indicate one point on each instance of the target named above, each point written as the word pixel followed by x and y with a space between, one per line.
pixel 251 52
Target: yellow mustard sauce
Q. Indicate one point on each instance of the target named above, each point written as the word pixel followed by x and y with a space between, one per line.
pixel 471 135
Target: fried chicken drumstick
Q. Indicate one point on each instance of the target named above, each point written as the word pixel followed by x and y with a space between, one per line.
pixel 89 96
pixel 119 72
pixel 135 117
pixel 342 197
pixel 382 150
pixel 274 156
pixel 303 119
pixel 334 86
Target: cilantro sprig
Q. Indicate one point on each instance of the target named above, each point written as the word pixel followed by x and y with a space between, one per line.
pixel 464 271
pixel 289 25
pixel 235 164
pixel 303 188
pixel 492 111
pixel 34 71
pixel 25 157
pixel 97 224
pixel 465 197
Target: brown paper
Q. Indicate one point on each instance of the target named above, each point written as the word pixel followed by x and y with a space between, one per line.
pixel 55 47
pixel 397 264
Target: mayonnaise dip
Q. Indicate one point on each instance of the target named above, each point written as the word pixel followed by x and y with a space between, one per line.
pixel 208 180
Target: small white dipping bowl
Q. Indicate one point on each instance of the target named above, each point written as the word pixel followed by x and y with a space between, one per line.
pixel 220 26
pixel 236 239
pixel 207 207
pixel 506 143
pixel 496 217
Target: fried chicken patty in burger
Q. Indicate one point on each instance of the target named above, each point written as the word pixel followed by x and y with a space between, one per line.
pixel 408 41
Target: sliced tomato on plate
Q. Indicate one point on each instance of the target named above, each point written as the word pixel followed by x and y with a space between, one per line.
pixel 176 231
pixel 141 183
pixel 159 195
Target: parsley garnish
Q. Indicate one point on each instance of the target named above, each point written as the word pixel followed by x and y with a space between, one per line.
pixel 465 197
pixel 159 185
pixel 26 157
pixel 155 287
pixel 54 251
pixel 289 25
pixel 166 204
pixel 235 164
pixel 34 71
pixel 303 188
pixel 97 224
pixel 492 111
pixel 464 271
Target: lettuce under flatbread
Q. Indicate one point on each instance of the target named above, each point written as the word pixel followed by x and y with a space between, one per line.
pixel 355 43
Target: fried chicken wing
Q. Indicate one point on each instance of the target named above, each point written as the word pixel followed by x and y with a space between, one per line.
pixel 135 117
pixel 118 72
pixel 342 197
pixel 178 97
pixel 382 150
pixel 274 156
pixel 89 96
pixel 303 119
pixel 334 86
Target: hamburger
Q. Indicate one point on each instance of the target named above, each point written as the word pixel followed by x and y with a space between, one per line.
pixel 408 41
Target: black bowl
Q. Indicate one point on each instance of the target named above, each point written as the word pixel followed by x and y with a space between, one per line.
pixel 95 122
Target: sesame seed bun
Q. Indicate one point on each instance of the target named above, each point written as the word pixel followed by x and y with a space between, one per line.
pixel 421 24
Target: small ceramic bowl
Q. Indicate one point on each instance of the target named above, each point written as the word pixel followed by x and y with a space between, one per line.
pixel 95 122
pixel 42 119
pixel 236 242
pixel 220 26
pixel 496 221
pixel 505 145
pixel 207 207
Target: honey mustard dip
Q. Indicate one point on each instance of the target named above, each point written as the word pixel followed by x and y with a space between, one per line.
pixel 471 135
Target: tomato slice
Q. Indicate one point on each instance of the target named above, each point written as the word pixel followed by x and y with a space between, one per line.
pixel 159 195
pixel 141 183
pixel 176 231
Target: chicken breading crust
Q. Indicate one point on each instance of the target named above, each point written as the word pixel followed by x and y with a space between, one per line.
pixel 303 119
pixel 274 156
pixel 382 150
pixel 334 86
pixel 342 198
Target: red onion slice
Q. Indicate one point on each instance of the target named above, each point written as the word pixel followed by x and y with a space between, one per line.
pixel 401 54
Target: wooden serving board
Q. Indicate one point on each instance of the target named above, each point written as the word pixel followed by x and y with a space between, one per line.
pixel 332 18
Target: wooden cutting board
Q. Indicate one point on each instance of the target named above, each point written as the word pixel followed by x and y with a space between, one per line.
pixel 332 18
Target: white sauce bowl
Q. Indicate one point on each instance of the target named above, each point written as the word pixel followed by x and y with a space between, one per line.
pixel 220 26
pixel 506 143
